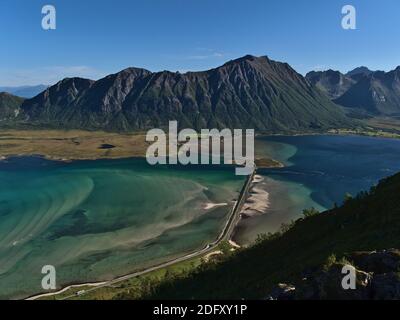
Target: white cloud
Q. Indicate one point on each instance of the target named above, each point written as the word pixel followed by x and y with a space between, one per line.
pixel 204 57
pixel 206 53
pixel 319 68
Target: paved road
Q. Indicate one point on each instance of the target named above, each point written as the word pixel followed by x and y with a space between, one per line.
pixel 226 234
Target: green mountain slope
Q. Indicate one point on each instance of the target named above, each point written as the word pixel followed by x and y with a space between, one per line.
pixel 250 92
pixel 9 106
pixel 378 93
pixel 361 91
pixel 369 222
pixel 333 83
pixel 358 73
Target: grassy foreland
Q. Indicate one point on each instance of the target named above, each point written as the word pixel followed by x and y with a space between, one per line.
pixel 384 127
pixel 71 144
pixel 82 145
pixel 368 131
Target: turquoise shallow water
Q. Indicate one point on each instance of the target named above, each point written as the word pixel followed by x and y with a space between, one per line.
pixel 319 171
pixel 94 220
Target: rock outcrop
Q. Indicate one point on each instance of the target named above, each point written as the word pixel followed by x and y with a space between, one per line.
pixel 377 278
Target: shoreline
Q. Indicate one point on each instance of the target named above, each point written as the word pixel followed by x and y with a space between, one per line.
pixel 226 234
pixel 64 159
pixel 72 286
pixel 65 156
pixel 334 132
pixel 230 225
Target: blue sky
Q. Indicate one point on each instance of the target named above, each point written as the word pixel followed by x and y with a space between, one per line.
pixel 95 38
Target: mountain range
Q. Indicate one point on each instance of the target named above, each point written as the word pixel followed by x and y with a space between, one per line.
pixel 24 91
pixel 249 92
pixel 333 83
pixel 376 93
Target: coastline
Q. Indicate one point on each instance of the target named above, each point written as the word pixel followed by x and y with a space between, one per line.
pixel 72 145
pixel 258 200
pixel 186 256
pixel 337 132
pixel 66 160
pixel 225 235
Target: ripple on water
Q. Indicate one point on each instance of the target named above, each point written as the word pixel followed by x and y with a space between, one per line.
pixel 100 219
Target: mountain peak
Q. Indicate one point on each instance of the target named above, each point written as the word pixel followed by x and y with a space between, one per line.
pixel 5 94
pixel 25 91
pixel 134 70
pixel 71 81
pixel 332 82
pixel 359 70
pixel 333 71
pixel 248 58
pixel 76 83
pixel 376 92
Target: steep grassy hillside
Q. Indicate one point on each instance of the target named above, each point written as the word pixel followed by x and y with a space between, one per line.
pixel 369 222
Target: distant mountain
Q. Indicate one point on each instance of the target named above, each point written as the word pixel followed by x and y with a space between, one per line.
pixel 361 91
pixel 333 83
pixel 250 92
pixel 377 93
pixel 24 91
pixel 9 106
pixel 358 73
